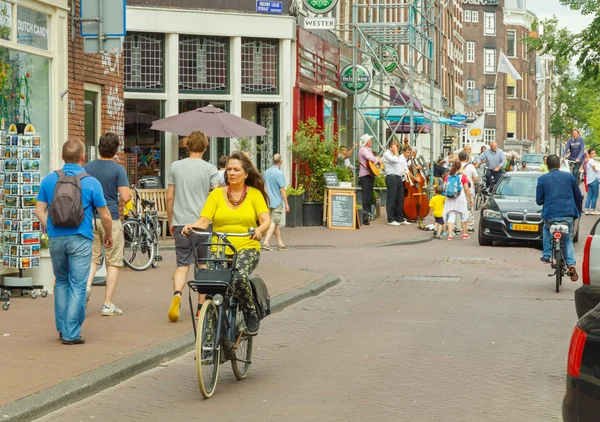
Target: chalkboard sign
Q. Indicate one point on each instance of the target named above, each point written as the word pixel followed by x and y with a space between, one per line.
pixel 331 179
pixel 341 211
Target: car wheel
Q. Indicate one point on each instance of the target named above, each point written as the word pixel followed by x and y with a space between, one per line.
pixel 482 241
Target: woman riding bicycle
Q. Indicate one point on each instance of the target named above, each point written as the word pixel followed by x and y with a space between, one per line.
pixel 236 208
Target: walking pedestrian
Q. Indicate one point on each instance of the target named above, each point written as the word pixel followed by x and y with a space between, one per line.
pixel 396 168
pixel 222 169
pixel 366 179
pixel 593 181
pixel 190 181
pixel 113 179
pixel 470 171
pixel 64 207
pixel 275 186
pixel 458 199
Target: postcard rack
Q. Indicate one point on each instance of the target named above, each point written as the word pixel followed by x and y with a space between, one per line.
pixel 20 179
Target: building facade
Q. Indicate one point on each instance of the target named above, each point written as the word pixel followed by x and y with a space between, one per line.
pixel 178 58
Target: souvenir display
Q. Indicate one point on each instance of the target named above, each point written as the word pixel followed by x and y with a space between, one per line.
pixel 20 157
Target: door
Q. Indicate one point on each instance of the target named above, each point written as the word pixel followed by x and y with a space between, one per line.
pixel 268 145
pixel 90 102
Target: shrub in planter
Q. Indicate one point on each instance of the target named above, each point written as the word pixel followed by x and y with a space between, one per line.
pixel 295 199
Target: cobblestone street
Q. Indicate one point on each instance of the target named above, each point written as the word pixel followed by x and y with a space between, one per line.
pixel 443 331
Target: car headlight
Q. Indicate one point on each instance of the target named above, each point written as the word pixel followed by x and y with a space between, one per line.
pixel 492 214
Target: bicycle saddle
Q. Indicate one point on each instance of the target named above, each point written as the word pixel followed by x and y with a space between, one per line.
pixel 559 228
pixel 148 203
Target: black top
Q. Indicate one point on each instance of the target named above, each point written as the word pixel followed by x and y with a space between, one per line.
pixel 438 171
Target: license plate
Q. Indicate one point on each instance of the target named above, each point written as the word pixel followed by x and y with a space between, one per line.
pixel 524 227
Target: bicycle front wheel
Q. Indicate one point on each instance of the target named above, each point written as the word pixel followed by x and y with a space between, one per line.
pixel 478 201
pixel 138 251
pixel 243 351
pixel 558 264
pixel 208 354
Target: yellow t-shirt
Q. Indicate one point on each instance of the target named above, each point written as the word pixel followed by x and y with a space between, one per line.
pixel 437 204
pixel 239 220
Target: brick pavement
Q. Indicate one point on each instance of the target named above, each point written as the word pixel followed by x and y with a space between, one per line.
pixel 491 346
pixel 33 358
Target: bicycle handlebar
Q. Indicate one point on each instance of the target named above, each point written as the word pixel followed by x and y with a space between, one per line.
pixel 200 231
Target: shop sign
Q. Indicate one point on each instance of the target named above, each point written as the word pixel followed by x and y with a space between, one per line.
pixel 32 28
pixel 458 125
pixel 269 7
pixel 458 117
pixel 5 20
pixel 482 2
pixel 357 81
pixel 319 23
pixel 389 58
pixel 320 6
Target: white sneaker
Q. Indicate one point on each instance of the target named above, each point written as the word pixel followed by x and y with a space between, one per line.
pixel 405 223
pixel 111 310
pixel 587 212
pixel 393 223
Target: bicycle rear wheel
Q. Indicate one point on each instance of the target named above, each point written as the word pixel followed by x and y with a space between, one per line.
pixel 138 251
pixel 243 352
pixel 207 351
pixel 558 263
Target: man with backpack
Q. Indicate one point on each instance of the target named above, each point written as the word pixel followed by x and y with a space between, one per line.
pixel 65 208
pixel 113 179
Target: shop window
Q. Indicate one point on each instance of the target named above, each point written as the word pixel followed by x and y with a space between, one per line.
pixel 144 147
pixel 5 20
pixel 32 28
pixel 259 65
pixel 203 63
pixel 25 94
pixel 143 56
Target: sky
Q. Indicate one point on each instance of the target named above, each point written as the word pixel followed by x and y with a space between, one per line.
pixel 572 19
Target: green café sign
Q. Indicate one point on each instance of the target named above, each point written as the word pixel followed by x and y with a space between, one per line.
pixel 389 59
pixel 357 81
pixel 320 6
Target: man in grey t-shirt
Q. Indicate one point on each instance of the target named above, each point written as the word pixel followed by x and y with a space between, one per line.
pixel 189 182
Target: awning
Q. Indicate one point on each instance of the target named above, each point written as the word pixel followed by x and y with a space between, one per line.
pixel 397 114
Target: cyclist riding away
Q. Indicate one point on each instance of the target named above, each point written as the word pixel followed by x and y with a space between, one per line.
pixel 235 209
pixel 574 151
pixel 561 198
pixel 496 160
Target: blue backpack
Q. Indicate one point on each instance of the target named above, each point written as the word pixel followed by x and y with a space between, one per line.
pixel 453 186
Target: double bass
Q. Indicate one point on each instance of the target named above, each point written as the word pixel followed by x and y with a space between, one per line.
pixel 416 202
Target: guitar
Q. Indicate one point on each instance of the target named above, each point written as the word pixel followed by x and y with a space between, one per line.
pixel 374 168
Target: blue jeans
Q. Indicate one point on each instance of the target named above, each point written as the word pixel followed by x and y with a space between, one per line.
pixel 592 198
pixel 71 259
pixel 569 251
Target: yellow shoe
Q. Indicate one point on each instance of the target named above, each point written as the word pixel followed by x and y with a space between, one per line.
pixel 174 309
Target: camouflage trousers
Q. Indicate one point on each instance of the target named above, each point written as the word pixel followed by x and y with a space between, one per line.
pixel 247 261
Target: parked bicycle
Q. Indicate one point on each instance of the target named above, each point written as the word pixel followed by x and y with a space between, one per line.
pixel 141 232
pixel 557 231
pixel 221 328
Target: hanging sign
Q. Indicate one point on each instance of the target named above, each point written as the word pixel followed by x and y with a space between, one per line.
pixel 320 7
pixel 389 58
pixel 357 81
pixel 458 117
pixel 458 125
pixel 319 23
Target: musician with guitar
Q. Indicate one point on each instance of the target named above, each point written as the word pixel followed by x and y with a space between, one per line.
pixel 396 168
pixel 367 160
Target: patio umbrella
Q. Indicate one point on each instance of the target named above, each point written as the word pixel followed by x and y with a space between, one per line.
pixel 212 121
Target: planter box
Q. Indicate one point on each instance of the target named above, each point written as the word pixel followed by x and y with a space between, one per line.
pixel 312 214
pixel 294 217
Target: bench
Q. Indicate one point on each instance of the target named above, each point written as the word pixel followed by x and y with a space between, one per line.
pixel 159 196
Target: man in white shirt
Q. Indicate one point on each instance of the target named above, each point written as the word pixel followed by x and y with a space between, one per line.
pixel 470 171
pixel 592 180
pixel 396 168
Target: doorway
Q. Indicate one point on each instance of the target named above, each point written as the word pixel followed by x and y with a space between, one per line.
pixel 91 124
pixel 268 145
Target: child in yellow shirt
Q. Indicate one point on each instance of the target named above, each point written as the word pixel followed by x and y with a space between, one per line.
pixel 436 207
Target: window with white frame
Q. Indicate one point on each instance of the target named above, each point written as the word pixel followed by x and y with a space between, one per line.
pixel 490 101
pixel 259 65
pixel 467 16
pixel 203 63
pixel 144 64
pixel 470 51
pixel 489 56
pixel 470 84
pixel 511 86
pixel 511 43
pixel 524 86
pixel 489 23
pixel 489 135
pixel 524 46
pixel 475 16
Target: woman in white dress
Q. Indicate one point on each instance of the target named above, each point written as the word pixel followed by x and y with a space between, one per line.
pixel 460 204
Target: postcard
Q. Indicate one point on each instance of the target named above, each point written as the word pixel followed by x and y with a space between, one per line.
pixel 11 214
pixel 31 165
pixel 29 201
pixel 15 140
pixel 32 250
pixel 11 152
pixel 11 165
pixel 12 177
pixel 11 201
pixel 27 214
pixel 11 225
pixel 36 153
pixel 30 238
pixel 30 189
pixel 30 262
pixel 25 154
pixel 27 141
pixel 12 189
pixel 36 141
pixel 11 238
pixel 11 250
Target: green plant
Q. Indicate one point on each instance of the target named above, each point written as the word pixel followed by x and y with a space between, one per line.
pixel 344 174
pixel 44 241
pixel 379 181
pixel 290 191
pixel 314 156
pixel 246 144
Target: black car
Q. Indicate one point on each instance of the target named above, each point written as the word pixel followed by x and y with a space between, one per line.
pixel 511 213
pixel 582 399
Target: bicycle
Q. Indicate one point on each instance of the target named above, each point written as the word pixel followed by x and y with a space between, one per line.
pixel 481 195
pixel 141 233
pixel 558 230
pixel 221 329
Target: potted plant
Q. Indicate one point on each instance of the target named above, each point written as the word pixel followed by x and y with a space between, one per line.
pixel 380 187
pixel 295 198
pixel 313 156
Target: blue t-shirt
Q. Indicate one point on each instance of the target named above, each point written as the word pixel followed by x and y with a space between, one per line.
pixel 91 195
pixel 111 176
pixel 274 180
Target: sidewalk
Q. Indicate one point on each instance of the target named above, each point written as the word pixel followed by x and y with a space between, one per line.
pixel 34 360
